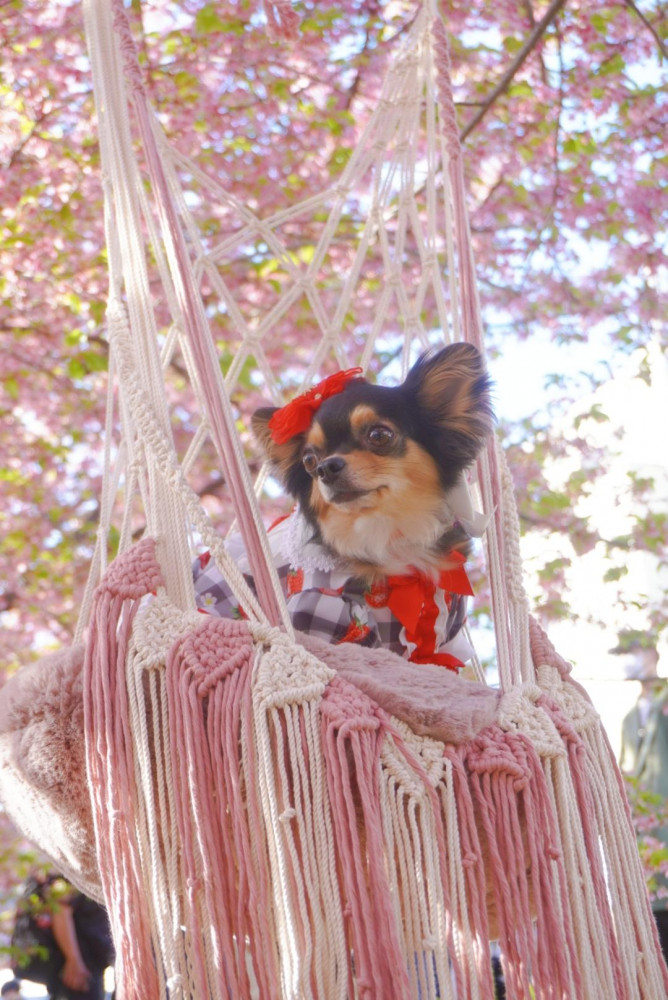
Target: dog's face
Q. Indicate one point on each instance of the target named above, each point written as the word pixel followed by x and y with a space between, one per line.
pixel 372 471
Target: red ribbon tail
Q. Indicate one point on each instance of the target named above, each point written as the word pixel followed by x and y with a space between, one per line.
pixel 406 599
pixel 440 659
pixel 455 580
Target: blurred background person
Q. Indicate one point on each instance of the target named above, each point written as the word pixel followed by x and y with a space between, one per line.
pixel 644 757
pixel 65 939
pixel 11 990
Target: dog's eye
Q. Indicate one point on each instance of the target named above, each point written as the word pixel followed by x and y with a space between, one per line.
pixel 379 436
pixel 310 461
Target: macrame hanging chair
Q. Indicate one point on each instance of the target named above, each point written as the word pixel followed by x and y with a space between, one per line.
pixel 266 825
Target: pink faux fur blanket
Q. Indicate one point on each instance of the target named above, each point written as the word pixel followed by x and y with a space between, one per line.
pixel 42 763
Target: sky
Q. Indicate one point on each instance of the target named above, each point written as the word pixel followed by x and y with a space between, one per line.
pixel 521 373
pixel 638 416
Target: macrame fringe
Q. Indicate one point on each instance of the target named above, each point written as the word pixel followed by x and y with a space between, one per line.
pixel 110 761
pixel 618 933
pixel 264 829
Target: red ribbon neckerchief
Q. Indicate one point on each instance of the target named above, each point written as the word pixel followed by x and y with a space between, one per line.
pixel 411 599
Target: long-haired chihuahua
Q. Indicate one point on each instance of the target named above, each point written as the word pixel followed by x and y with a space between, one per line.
pixel 372 467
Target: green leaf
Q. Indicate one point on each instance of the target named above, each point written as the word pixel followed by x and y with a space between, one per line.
pixel 512 44
pixel 74 337
pixel 208 20
pixel 76 368
pixel 612 66
pixel 600 20
pixel 595 413
pixel 12 387
pixel 521 89
pixel 616 573
pixel 95 361
pixel 339 159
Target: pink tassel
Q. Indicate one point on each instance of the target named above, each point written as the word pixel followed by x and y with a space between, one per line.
pixel 586 811
pixel 580 764
pixel 352 737
pixel 472 861
pixel 208 678
pixel 515 811
pixel 111 765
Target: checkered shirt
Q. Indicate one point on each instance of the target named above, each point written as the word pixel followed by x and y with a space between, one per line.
pixel 326 602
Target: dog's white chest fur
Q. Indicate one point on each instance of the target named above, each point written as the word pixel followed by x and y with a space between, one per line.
pixel 393 547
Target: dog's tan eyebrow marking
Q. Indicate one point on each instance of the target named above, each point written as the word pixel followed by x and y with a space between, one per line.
pixel 361 416
pixel 316 437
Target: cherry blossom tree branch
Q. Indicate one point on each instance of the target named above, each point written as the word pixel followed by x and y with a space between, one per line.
pixel 650 27
pixel 557 188
pixel 514 67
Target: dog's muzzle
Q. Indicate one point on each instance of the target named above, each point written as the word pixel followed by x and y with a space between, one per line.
pixel 330 468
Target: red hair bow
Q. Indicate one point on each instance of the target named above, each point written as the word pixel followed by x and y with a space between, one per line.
pixel 295 417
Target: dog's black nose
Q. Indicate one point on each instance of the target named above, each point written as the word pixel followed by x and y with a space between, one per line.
pixel 329 468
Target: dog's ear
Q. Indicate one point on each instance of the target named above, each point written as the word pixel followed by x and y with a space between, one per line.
pixel 283 457
pixel 452 389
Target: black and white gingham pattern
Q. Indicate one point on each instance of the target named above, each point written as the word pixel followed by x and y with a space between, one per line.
pixel 328 604
pixel 321 608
